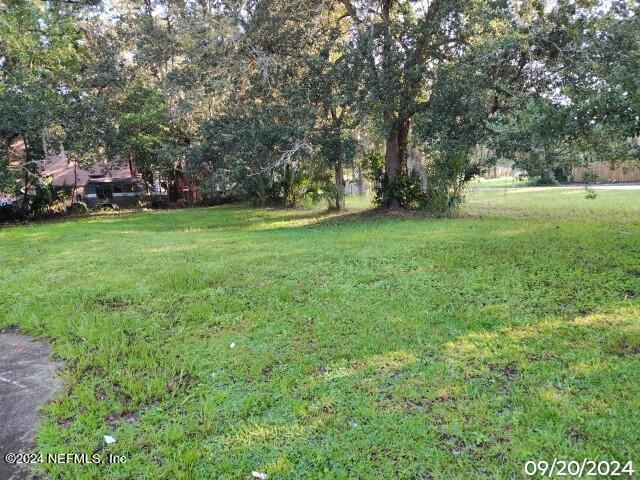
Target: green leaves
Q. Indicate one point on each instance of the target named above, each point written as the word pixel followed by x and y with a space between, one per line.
pixel 228 91
pixel 579 103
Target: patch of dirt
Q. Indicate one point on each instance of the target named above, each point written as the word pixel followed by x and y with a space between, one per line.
pixel 127 417
pixel 576 436
pixel 181 381
pixel 509 372
pixel 625 347
pixel 112 303
pixel 418 405
pixel 452 443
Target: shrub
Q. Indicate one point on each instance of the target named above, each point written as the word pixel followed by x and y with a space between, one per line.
pixel 447 175
pixel 590 194
pixel 327 192
pixel 373 166
pixel 405 188
pixel 590 177
pixel 6 208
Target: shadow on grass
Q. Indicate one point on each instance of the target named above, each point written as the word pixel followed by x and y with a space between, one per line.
pixel 232 217
pixel 477 406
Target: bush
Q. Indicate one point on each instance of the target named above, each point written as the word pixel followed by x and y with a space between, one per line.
pixel 590 177
pixel 447 174
pixel 590 193
pixel 328 194
pixel 406 189
pixel 45 196
pixel 6 208
pixel 373 166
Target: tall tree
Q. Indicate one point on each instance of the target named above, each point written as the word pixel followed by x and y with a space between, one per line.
pixel 402 45
pixel 581 99
pixel 289 78
pixel 41 51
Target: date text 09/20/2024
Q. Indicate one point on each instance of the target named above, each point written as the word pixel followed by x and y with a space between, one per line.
pixel 578 468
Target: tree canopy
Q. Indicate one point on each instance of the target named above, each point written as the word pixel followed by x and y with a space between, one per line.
pixel 267 99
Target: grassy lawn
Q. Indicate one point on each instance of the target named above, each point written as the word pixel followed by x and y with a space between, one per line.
pixel 498 182
pixel 365 348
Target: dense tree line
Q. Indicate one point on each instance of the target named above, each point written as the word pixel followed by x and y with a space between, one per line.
pixel 270 100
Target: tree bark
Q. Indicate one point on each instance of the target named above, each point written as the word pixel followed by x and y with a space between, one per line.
pixel 174 188
pixel 392 167
pixel 132 171
pixel 340 198
pixel 75 183
pixel 360 180
pixel 28 157
pixel 396 151
pixel 336 123
pixel 395 158
pixel 403 136
pixel 44 141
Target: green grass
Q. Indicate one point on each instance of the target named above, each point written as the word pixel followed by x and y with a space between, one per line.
pixel 386 347
pixel 499 182
pixel 553 203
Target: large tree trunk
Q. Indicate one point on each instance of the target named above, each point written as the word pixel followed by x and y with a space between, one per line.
pixel 336 123
pixel 392 163
pixel 132 170
pixel 392 169
pixel 360 180
pixel 403 136
pixel 340 200
pixel 395 158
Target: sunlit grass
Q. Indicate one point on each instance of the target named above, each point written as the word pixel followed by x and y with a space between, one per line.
pixel 213 342
pixel 554 202
pixel 499 182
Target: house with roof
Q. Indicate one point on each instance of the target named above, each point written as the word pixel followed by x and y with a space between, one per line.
pixel 112 181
